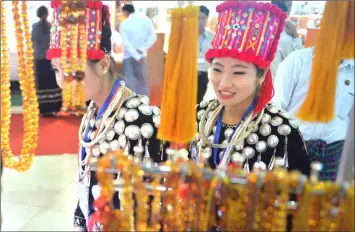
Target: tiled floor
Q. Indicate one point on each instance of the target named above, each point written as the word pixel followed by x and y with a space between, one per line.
pixel 41 199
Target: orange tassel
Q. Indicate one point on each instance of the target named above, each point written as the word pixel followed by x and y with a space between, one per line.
pixel 180 85
pixel 335 43
pixel 167 106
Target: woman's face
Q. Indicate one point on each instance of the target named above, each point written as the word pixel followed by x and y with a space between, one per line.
pixel 233 81
pixel 92 80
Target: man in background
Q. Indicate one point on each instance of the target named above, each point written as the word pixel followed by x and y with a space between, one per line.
pixel 324 141
pixel 289 39
pixel 138 35
pixel 205 40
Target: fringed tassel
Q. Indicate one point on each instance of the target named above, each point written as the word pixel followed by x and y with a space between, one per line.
pixel 266 93
pixel 67 97
pixel 168 110
pixel 185 126
pixel 334 44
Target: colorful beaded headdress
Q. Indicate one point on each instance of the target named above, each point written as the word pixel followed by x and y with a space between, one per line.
pixel 249 31
pixel 96 14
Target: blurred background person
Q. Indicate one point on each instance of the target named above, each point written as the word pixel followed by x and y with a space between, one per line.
pixel 48 92
pixel 138 35
pixel 205 39
pixel 289 38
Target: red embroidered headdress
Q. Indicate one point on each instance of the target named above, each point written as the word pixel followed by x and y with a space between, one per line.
pixel 249 31
pixel 96 14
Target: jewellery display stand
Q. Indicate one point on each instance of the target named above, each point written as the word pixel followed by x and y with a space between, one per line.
pixel 194 198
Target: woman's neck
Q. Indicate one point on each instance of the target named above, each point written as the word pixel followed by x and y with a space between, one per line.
pixel 233 114
pixel 101 98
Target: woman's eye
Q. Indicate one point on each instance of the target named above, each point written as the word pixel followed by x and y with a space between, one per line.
pixel 217 70
pixel 238 73
pixel 54 69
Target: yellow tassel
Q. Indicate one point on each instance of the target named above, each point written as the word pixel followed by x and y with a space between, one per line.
pixel 67 95
pixel 335 43
pixel 167 107
pixel 185 126
pixel 180 84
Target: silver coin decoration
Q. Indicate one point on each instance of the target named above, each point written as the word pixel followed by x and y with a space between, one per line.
pixel 276 121
pixel 273 109
pixel 145 109
pixel 239 145
pixel 248 152
pixel 96 151
pixel 236 157
pixel 228 132
pixel 119 127
pixel 294 123
pixel 144 99
pixel 255 129
pixel 132 132
pixel 203 104
pixel 265 130
pixel 122 141
pixel 199 114
pixel 261 146
pixel 207 152
pixel 147 130
pixel 284 130
pixel 114 145
pixel 121 113
pixel 259 166
pixel 266 118
pixel 133 103
pixel 131 115
pixel 110 135
pixel 211 138
pixel 138 149
pixel 156 110
pixel 272 141
pixel 156 120
pixel 104 148
pixel 252 138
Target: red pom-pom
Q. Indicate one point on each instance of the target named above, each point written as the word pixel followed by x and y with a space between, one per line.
pixel 55 3
pixel 94 4
pixel 95 55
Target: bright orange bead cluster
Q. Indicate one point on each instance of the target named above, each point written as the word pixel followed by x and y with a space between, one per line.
pixel 73 92
pixel 27 85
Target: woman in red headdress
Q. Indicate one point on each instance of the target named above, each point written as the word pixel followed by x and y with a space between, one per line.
pixel 116 118
pixel 240 126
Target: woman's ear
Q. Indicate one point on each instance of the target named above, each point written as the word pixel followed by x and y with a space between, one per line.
pixel 104 64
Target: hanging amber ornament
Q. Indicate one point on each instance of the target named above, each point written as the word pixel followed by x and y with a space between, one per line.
pixel 28 91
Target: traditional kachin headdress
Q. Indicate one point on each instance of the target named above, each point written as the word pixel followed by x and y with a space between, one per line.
pixel 249 31
pixel 97 25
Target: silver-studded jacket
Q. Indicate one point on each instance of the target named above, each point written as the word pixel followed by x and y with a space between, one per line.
pixel 135 126
pixel 276 135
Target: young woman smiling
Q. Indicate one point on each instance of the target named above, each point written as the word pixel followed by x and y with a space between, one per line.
pixel 240 126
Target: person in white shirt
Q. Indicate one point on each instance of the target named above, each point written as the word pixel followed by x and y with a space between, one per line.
pixel 138 35
pixel 205 40
pixel 116 42
pixel 324 141
pixel 289 39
